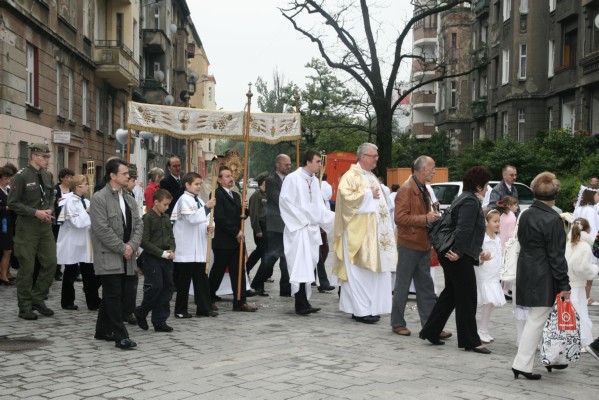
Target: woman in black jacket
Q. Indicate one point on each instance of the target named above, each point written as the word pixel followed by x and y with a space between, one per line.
pixel 458 266
pixel 542 268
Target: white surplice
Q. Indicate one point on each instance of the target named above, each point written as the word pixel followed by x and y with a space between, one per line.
pixel 303 213
pixel 367 292
pixel 190 229
pixel 73 244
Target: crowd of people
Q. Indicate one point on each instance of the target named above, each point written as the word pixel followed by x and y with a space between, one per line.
pixel 186 238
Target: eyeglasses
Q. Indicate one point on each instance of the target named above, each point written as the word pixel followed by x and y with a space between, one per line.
pixel 375 156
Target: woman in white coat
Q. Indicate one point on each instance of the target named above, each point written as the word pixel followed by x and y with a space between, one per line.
pixel 579 254
pixel 190 217
pixel 73 246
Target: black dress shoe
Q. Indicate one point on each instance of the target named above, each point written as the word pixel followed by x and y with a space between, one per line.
pixel 480 350
pixel 71 307
pixel 250 293
pixel 184 315
pixel 314 309
pixel 527 375
pixel 367 319
pixel 285 294
pixel 216 298
pixel 28 315
pixel 262 293
pixel 42 309
pixel 142 322
pixel 435 341
pixel 163 327
pixel 328 288
pixel 130 319
pixel 550 367
pixel 207 314
pixel 7 283
pixel 109 337
pixel 125 344
pixel 303 311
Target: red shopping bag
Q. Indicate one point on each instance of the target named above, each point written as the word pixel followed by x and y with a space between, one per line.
pixel 566 314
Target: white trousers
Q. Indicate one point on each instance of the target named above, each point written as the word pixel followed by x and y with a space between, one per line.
pixel 531 337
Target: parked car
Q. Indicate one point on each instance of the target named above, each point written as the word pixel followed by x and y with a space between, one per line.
pixel 446 192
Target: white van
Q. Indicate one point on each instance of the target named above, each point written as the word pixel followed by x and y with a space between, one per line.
pixel 446 192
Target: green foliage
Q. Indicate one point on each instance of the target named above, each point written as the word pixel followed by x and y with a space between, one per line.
pixel 406 149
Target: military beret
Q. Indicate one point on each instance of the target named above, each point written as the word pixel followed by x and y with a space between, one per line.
pixel 261 177
pixel 39 148
pixel 132 171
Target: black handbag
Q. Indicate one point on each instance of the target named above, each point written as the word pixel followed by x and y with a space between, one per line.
pixel 441 233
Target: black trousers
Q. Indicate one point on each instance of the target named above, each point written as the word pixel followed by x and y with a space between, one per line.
pixel 224 258
pixel 158 288
pixel 187 273
pixel 459 294
pixel 90 285
pixel 274 251
pixel 130 298
pixel 301 300
pixel 323 279
pixel 259 251
pixel 115 289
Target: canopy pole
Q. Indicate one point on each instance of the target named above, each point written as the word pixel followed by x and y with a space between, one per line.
pixel 188 141
pixel 297 142
pixel 129 97
pixel 214 175
pixel 246 151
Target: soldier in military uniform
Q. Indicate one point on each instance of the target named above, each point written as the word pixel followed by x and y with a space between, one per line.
pixel 32 200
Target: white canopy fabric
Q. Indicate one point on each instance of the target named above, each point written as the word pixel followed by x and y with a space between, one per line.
pixel 195 123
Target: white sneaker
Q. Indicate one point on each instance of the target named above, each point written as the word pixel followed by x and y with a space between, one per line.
pixel 591 302
pixel 485 337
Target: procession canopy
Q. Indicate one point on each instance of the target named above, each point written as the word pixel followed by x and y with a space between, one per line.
pixel 195 123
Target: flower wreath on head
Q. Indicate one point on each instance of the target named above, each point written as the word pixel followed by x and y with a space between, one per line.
pixel 582 189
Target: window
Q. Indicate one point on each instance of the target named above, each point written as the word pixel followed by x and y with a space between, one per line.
pixel 453 94
pixel 70 111
pixel 454 45
pixel 157 17
pixel 99 108
pixel 523 6
pixel 495 71
pixel 551 61
pixel 505 71
pixel 594 32
pixel 84 102
pixel 31 69
pixel 442 96
pixel 58 89
pixel 23 154
pixel 568 114
pixel 550 115
pixel 551 5
pixel 474 89
pixel 569 50
pixel 483 87
pixel 507 9
pixel 522 64
pixel 119 28
pixel 85 6
pixel 521 120
pixel 504 126
pixel 110 115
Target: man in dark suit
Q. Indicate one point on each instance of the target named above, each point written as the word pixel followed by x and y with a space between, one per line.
pixel 228 238
pixel 173 183
pixel 274 231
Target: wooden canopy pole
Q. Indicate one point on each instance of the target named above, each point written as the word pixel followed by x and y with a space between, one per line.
pixel 297 142
pixel 214 175
pixel 244 192
pixel 129 98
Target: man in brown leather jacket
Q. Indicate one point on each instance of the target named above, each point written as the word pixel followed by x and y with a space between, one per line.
pixel 413 211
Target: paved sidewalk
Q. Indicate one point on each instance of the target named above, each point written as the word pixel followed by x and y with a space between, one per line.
pixel 270 354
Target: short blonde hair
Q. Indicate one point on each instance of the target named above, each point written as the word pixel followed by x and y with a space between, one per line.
pixel 76 181
pixel 545 186
pixel 156 173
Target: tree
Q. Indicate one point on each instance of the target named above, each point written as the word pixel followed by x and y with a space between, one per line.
pixel 354 50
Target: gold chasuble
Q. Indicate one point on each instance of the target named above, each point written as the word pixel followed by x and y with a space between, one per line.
pixel 370 239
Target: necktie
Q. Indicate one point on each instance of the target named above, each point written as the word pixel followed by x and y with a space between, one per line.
pixel 179 183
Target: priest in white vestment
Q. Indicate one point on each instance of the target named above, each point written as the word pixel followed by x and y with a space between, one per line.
pixel 303 213
pixel 364 242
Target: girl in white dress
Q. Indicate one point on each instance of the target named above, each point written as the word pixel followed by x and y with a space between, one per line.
pixel 588 198
pixel 73 246
pixel 490 293
pixel 579 254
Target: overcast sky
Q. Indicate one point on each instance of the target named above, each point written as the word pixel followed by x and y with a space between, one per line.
pixel 247 39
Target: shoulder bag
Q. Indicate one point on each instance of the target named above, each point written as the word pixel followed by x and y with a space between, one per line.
pixel 441 233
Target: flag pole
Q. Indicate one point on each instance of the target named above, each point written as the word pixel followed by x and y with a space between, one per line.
pixel 297 142
pixel 246 151
pixel 214 175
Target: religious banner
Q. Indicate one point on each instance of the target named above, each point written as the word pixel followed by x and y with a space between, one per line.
pixel 195 123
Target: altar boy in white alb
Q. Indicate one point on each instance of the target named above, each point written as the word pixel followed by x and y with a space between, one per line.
pixel 303 213
pixel 364 243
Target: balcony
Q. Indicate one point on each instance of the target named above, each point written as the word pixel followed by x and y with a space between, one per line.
pixel 191 50
pixel 116 63
pixel 590 63
pixel 155 41
pixel 479 108
pixel 480 57
pixel 424 99
pixel 423 130
pixel 565 9
pixel 481 7
pixel 153 90
pixel 428 66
